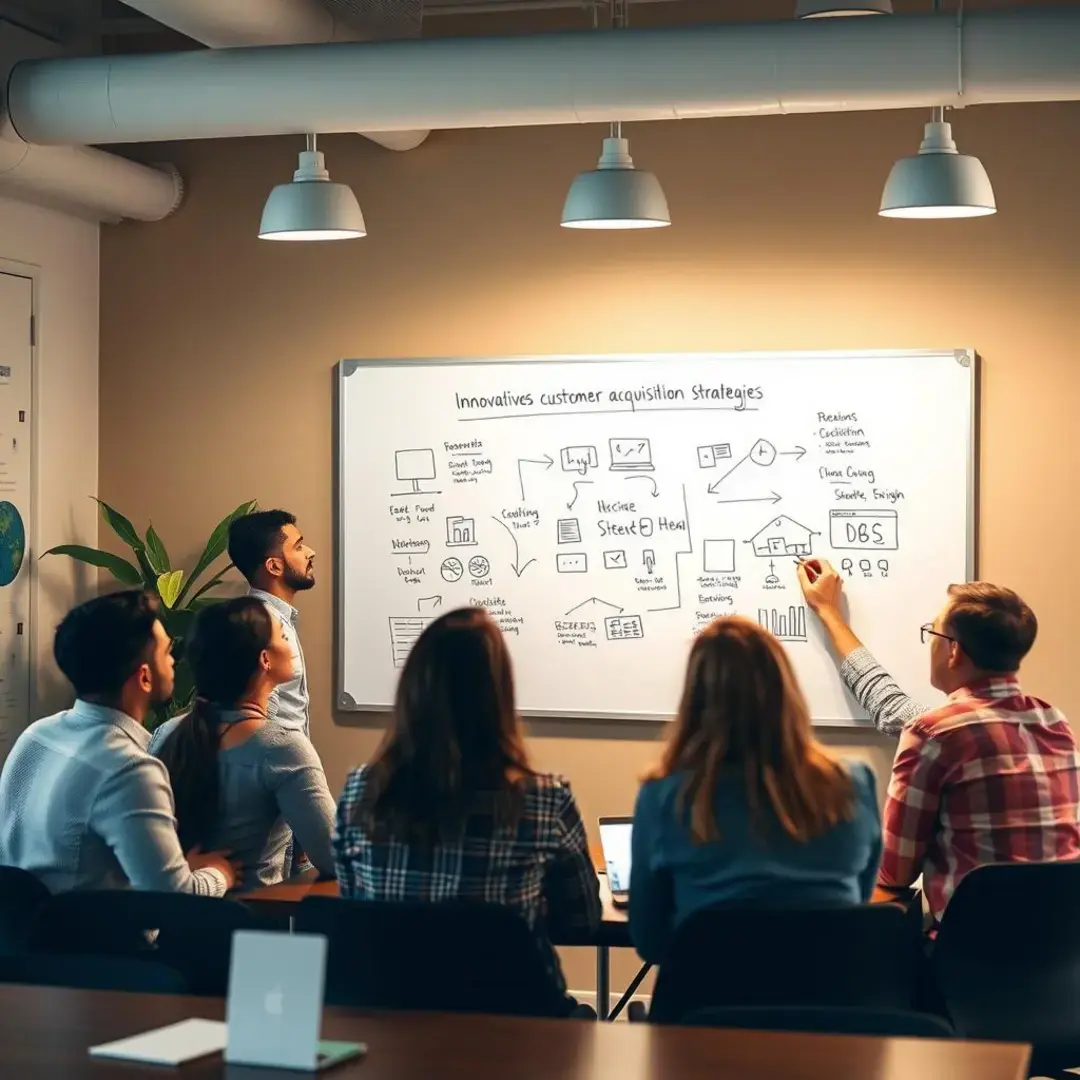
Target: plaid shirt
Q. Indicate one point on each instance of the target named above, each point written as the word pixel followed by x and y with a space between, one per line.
pixel 541 866
pixel 990 777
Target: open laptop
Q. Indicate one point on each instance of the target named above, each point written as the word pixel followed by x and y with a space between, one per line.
pixel 274 1012
pixel 615 840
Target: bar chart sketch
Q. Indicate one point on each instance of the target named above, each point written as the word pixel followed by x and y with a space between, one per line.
pixel 789 625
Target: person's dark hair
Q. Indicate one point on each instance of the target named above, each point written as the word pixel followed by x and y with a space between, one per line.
pixel 223 650
pixel 991 624
pixel 455 738
pixel 100 644
pixel 742 712
pixel 253 538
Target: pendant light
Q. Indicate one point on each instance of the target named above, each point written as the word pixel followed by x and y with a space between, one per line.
pixel 939 181
pixel 615 195
pixel 826 9
pixel 311 206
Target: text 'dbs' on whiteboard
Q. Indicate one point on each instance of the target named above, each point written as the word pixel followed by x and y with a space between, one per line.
pixel 604 509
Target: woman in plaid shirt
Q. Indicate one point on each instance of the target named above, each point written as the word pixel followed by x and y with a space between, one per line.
pixel 450 808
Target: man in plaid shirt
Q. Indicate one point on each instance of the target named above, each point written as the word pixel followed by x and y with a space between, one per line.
pixel 991 776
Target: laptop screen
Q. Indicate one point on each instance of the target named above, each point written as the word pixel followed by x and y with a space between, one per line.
pixel 615 840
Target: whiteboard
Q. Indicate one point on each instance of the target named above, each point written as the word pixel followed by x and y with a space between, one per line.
pixel 606 508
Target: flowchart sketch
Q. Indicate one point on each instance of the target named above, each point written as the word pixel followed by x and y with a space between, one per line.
pixel 403 636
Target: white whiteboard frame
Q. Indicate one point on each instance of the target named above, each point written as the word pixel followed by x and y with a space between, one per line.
pixel 967 358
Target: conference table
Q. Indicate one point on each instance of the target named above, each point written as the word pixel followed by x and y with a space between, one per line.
pixel 281 901
pixel 45 1034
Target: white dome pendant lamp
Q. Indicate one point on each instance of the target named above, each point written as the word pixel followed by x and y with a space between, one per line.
pixel 939 181
pixel 615 195
pixel 826 9
pixel 311 206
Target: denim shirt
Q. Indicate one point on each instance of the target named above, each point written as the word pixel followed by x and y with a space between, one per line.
pixel 289 703
pixel 83 805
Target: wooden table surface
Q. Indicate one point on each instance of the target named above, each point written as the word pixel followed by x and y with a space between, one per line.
pixel 45 1034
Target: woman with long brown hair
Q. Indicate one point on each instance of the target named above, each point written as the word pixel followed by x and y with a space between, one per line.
pixel 746 806
pixel 450 807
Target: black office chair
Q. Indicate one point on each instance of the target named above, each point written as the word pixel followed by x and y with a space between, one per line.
pixel 826 1020
pixel 842 956
pixel 21 894
pixel 445 957
pixel 1007 958
pixel 194 933
pixel 88 972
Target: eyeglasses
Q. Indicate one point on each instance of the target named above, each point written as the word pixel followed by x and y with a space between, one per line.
pixel 929 631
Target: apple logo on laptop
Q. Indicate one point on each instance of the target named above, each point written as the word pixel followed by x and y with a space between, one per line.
pixel 274 1002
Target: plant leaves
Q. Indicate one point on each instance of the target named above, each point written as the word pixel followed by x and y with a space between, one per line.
pixel 121 526
pixel 149 574
pixel 213 583
pixel 155 551
pixel 120 568
pixel 168 586
pixel 215 546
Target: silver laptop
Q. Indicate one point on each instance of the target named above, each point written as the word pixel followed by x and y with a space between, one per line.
pixel 274 1012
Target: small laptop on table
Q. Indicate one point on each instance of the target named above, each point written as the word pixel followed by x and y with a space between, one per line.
pixel 615 835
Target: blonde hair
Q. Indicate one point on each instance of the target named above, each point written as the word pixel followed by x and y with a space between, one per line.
pixel 742 708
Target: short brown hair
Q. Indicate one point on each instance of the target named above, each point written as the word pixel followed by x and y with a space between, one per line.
pixel 742 713
pixel 991 624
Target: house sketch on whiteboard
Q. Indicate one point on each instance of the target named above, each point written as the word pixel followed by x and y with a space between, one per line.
pixel 783 536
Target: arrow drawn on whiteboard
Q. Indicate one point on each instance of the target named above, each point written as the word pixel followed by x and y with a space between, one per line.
pixel 518 570
pixel 773 497
pixel 798 453
pixel 655 492
pixel 716 483
pixel 432 603
pixel 547 461
pixel 595 600
pixel 577 484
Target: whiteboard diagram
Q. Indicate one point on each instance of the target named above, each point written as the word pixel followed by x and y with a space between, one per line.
pixel 604 510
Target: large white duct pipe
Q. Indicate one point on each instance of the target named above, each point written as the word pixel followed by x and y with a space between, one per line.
pixel 228 24
pixel 84 181
pixel 821 65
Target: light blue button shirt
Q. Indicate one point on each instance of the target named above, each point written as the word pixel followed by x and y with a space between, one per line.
pixel 83 805
pixel 289 704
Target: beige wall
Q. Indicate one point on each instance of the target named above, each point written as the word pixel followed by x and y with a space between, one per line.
pixel 218 350
pixel 60 253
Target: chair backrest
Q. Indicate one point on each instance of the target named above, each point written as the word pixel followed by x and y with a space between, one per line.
pixel 449 957
pixel 21 894
pixel 85 971
pixel 828 1020
pixel 194 933
pixel 842 956
pixel 1007 956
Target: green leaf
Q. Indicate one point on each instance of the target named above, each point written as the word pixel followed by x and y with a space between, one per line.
pixel 120 568
pixel 213 583
pixel 121 526
pixel 155 551
pixel 215 546
pixel 168 586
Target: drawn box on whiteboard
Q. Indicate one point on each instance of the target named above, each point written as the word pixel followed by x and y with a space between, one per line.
pixel 624 628
pixel 572 562
pixel 864 530
pixel 719 557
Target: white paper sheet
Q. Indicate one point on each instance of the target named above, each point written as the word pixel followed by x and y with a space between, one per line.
pixel 172 1045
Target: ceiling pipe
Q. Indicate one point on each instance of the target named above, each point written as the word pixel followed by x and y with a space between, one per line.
pixel 748 69
pixel 87 182
pixel 228 24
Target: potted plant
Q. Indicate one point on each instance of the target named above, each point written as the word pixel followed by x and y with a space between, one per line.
pixel 181 595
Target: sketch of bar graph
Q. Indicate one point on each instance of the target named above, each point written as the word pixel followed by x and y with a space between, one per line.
pixel 789 625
